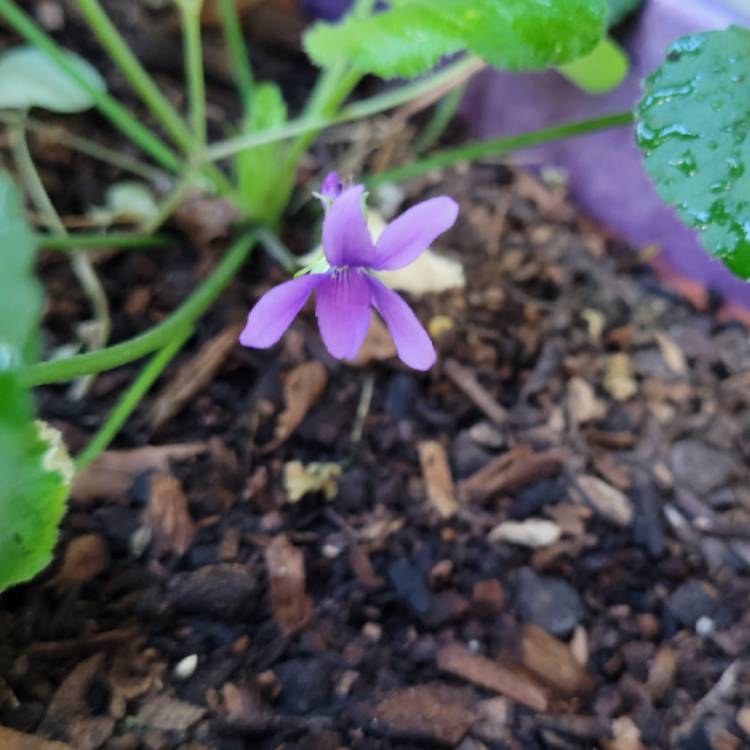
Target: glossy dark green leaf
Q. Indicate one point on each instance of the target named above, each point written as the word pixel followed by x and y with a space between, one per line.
pixel 692 125
pixel 411 37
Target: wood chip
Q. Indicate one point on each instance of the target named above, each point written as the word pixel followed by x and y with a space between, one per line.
pixel 510 472
pixel 662 672
pixel 292 607
pixel 553 663
pixel 193 376
pixel 583 405
pixel 12 740
pixel 111 475
pixel 70 698
pixel 459 661
pixel 608 501
pixel 169 714
pixel 466 381
pixel 167 516
pixel 531 532
pixel 85 557
pixel 303 387
pixel 671 353
pixel 625 736
pixel 438 479
pixel 433 712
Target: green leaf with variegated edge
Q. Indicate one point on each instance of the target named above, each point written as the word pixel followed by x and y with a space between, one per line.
pixel 29 78
pixel 413 35
pixel 693 124
pixel 35 471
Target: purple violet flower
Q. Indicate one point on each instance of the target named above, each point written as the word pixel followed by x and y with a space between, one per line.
pixel 346 290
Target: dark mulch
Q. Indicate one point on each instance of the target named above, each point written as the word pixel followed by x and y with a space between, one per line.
pixel 543 542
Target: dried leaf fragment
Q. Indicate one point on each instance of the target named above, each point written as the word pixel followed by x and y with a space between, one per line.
pixel 167 516
pixel 438 479
pixel 285 564
pixel 618 378
pixel 304 479
pixel 85 557
pixel 607 500
pixel 12 740
pixel 303 386
pixel 531 532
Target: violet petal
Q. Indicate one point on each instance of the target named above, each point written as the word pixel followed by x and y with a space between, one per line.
pixel 342 305
pixel 408 236
pixel 346 239
pixel 412 342
pixel 276 309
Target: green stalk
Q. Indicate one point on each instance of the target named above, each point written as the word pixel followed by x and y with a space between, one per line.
pixel 144 86
pixel 107 105
pixel 483 149
pixel 238 52
pixel 88 148
pixel 440 119
pixel 155 338
pixel 131 398
pixel 190 15
pixel 135 74
pixel 357 111
pixel 80 263
pixel 92 241
pixel 278 251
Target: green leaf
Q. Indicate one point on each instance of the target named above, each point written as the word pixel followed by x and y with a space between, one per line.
pixel 34 475
pixel 257 169
pixel 413 35
pixel 601 70
pixel 618 10
pixel 31 79
pixel 692 126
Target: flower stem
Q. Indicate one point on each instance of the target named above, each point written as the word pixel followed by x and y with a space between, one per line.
pixel 80 262
pixel 190 15
pixel 278 251
pixel 87 147
pixel 107 105
pixel 135 74
pixel 493 147
pixel 359 110
pixel 131 398
pixel 238 52
pixel 155 338
pixel 93 241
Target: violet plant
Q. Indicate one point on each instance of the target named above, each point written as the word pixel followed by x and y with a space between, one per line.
pixel 692 125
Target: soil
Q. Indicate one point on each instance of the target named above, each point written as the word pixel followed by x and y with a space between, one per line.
pixel 543 542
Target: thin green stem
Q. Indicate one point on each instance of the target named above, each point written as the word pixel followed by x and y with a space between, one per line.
pixel 92 241
pixel 135 74
pixel 123 120
pixel 440 119
pixel 81 264
pixel 155 338
pixel 131 398
pixel 88 148
pixel 496 146
pixel 238 52
pixel 170 203
pixel 357 111
pixel 190 15
pixel 278 250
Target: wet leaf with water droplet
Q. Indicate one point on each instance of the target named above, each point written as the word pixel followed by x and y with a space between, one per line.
pixel 692 126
